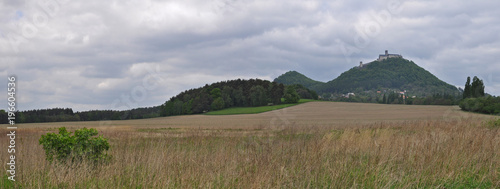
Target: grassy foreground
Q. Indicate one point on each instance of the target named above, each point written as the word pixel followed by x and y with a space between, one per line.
pixel 412 154
pixel 254 110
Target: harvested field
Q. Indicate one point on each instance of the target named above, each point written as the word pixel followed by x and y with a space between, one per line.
pixel 309 114
pixel 313 145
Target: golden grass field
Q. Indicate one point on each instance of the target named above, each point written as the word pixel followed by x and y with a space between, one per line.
pixel 312 145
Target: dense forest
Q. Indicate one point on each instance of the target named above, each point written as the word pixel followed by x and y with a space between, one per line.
pixel 226 94
pixel 235 93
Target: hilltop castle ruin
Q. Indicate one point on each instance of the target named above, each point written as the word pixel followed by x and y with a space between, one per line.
pixel 387 55
pixel 382 57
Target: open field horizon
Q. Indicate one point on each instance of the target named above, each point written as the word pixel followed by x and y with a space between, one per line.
pixel 307 114
pixel 312 145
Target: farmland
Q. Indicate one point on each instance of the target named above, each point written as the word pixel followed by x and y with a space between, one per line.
pixel 254 110
pixel 311 145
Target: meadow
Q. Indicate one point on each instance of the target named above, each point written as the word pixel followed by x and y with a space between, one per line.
pixel 254 110
pixel 311 145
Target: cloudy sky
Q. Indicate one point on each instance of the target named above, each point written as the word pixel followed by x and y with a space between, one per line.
pixel 96 54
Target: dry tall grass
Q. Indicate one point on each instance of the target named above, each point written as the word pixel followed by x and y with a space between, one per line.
pixel 411 154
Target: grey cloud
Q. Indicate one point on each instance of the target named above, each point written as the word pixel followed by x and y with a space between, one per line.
pixel 84 56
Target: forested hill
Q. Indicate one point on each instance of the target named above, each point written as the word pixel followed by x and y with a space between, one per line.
pixel 392 73
pixel 293 77
pixel 235 93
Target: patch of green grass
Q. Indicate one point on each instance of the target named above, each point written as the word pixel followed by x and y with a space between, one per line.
pixel 6 183
pixel 493 124
pixel 468 180
pixel 254 110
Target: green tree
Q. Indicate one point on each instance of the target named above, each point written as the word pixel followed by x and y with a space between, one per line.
pixel 3 117
pixel 177 109
pixel 168 109
pixel 239 98
pixel 201 103
pixel 291 95
pixel 187 107
pixel 216 93
pixel 277 92
pixel 226 96
pixel 467 90
pixel 477 88
pixel 314 95
pixel 218 104
pixel 258 96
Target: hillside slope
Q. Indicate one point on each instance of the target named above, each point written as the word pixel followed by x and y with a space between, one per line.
pixel 294 77
pixel 392 73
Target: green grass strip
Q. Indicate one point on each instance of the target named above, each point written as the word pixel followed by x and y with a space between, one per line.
pixel 254 110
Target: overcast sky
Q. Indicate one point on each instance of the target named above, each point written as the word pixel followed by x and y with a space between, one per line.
pixel 124 54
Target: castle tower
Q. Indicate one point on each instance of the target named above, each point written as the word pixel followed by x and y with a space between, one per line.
pixel 361 64
pixel 386 52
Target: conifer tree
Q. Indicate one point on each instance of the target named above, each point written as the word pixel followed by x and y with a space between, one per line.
pixel 467 90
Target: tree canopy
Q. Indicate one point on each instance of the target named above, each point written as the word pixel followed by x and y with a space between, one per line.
pixel 474 90
pixel 226 94
pixel 294 77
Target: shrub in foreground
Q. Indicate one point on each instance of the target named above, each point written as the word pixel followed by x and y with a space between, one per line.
pixel 68 148
pixel 493 123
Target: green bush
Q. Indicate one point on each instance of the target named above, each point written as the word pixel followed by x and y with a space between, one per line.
pixel 81 146
pixel 291 96
pixel 486 105
pixel 493 123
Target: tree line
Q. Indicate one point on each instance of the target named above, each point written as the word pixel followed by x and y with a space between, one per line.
pixel 304 92
pixel 474 90
pixel 226 94
pixel 475 99
pixel 485 105
pixel 67 114
pixel 436 99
